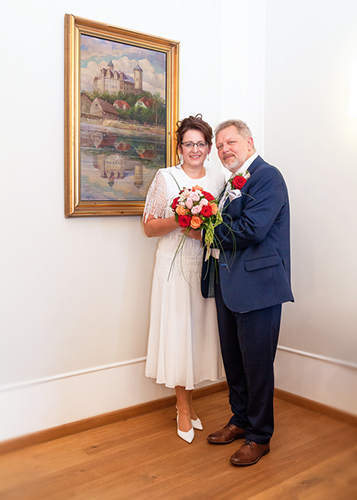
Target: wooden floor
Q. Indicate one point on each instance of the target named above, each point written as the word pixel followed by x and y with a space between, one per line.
pixel 312 457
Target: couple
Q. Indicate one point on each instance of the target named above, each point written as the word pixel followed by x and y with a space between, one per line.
pixel 183 347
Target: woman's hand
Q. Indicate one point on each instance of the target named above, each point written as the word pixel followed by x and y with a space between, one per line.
pixel 194 234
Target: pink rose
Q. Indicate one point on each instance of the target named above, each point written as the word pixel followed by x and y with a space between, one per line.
pixel 194 196
pixel 189 203
pixel 196 209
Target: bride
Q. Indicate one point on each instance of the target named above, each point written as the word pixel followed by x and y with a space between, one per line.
pixel 183 345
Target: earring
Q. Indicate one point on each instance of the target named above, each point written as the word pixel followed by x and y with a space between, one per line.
pixel 181 159
pixel 207 157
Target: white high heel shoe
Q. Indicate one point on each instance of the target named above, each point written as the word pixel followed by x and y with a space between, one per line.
pixel 197 424
pixel 186 436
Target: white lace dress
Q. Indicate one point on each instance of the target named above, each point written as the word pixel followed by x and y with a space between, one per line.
pixel 183 346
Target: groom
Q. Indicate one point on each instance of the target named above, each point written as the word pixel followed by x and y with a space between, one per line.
pixel 253 282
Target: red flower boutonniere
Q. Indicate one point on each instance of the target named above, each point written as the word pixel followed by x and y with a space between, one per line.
pixel 238 181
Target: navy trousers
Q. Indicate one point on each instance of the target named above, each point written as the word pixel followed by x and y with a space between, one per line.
pixel 248 342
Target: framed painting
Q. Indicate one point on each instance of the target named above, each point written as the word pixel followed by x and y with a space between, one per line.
pixel 121 109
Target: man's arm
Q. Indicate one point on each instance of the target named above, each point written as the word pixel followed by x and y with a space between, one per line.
pixel 262 203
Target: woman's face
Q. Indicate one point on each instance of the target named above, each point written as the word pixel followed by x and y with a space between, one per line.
pixel 194 149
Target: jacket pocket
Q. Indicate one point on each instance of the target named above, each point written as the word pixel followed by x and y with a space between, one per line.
pixel 269 261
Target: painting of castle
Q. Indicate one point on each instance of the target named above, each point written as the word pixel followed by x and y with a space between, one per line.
pixel 113 81
pixel 123 117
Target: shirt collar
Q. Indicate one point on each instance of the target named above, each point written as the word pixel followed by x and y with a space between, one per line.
pixel 247 164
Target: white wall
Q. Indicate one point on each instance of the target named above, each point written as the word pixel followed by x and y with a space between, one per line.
pixel 311 134
pixel 75 293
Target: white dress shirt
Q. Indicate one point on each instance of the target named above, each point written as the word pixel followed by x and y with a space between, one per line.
pixel 235 193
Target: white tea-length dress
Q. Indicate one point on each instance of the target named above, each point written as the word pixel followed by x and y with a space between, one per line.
pixel 183 345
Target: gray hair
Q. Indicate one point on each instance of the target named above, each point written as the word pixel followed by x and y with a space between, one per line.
pixel 241 126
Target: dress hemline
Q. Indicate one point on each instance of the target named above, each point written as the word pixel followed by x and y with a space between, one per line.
pixel 186 388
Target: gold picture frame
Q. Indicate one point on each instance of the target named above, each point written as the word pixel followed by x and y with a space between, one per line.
pixel 113 148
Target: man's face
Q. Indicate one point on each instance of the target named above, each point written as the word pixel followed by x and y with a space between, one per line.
pixel 233 149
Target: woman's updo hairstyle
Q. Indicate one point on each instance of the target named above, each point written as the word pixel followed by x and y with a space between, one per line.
pixel 193 123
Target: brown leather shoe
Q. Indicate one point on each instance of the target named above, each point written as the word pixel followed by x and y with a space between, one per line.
pixel 228 434
pixel 249 453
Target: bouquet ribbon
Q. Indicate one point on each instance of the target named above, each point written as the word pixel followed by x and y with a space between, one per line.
pixel 213 252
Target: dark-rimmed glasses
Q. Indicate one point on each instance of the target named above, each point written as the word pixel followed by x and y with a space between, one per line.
pixel 191 145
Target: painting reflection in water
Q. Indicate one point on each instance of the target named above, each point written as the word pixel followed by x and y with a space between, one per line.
pixel 118 167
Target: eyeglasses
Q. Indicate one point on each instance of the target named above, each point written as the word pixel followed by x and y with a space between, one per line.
pixel 191 145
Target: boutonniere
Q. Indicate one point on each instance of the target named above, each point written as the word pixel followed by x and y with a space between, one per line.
pixel 233 188
pixel 238 181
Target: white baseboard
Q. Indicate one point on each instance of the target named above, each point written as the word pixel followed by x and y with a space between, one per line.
pixel 40 404
pixel 329 381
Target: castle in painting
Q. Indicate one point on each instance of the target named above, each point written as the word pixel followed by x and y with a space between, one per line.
pixel 113 81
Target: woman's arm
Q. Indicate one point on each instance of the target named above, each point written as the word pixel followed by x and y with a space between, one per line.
pixel 159 227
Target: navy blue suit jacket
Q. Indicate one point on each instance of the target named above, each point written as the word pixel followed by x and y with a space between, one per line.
pixel 254 266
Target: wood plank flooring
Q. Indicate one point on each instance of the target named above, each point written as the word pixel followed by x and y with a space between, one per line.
pixel 312 457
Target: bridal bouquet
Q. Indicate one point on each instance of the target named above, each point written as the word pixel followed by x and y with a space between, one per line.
pixel 197 209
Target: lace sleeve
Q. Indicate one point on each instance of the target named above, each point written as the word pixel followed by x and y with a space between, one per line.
pixel 156 199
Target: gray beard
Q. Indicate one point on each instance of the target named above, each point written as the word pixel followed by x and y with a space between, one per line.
pixel 232 167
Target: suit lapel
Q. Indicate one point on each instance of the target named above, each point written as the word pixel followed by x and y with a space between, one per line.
pixel 256 163
pixel 251 169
